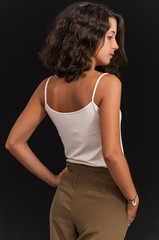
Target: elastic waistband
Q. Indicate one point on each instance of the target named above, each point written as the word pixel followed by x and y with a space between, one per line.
pixel 86 169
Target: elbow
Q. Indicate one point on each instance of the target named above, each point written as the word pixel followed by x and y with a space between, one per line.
pixel 113 156
pixel 109 158
pixel 9 145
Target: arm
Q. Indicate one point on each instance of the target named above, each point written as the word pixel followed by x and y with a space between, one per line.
pixel 110 135
pixel 25 125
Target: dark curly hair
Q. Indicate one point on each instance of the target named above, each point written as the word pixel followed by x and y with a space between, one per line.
pixel 75 36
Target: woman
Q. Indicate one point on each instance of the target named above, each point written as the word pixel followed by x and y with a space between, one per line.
pixel 95 196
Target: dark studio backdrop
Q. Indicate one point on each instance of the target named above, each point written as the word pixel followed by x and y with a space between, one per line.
pixel 24 199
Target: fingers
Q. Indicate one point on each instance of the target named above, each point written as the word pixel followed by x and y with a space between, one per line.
pixel 132 219
pixel 131 212
pixel 63 171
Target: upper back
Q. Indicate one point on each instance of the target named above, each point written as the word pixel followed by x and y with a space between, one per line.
pixel 62 96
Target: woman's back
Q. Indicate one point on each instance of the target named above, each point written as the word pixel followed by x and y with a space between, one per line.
pixel 69 97
pixel 72 108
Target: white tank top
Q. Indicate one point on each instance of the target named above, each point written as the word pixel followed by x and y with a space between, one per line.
pixel 80 132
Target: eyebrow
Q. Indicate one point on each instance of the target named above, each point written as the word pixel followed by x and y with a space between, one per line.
pixel 113 32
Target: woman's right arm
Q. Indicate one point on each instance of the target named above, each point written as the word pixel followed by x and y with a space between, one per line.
pixel 110 135
pixel 25 125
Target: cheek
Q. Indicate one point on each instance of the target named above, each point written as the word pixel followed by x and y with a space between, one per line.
pixel 106 46
pixel 105 51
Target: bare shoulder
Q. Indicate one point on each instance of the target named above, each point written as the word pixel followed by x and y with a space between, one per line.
pixel 111 80
pixel 110 83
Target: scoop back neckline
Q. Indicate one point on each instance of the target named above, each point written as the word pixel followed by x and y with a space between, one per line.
pixel 73 112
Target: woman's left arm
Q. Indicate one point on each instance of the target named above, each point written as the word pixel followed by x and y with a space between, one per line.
pixel 25 125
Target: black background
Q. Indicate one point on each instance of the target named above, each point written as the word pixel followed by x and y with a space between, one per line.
pixel 24 199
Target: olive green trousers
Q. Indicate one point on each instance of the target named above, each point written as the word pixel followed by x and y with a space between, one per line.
pixel 88 205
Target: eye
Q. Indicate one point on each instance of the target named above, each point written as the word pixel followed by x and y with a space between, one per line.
pixel 110 37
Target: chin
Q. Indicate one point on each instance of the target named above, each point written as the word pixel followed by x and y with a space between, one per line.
pixel 106 62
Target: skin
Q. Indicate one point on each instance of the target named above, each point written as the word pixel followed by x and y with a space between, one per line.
pixel 109 47
pixel 74 96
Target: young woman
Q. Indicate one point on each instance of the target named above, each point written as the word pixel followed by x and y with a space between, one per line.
pixel 95 196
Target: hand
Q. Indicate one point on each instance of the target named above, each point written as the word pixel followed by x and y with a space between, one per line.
pixel 59 176
pixel 131 210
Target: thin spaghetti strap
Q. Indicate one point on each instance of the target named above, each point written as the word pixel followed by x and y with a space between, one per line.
pixel 46 88
pixel 95 87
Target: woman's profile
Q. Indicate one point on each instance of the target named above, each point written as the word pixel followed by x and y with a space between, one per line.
pixel 95 196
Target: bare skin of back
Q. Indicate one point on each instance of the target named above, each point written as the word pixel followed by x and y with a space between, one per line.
pixel 68 97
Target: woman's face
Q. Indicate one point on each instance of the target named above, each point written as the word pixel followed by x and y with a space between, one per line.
pixel 106 52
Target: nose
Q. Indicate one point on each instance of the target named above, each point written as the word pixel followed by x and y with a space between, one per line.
pixel 115 45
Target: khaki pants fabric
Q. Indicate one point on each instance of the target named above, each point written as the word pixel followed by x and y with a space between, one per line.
pixel 88 205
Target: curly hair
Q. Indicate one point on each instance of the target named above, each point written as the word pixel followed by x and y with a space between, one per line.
pixel 76 34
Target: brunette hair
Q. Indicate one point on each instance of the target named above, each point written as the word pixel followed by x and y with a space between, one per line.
pixel 76 34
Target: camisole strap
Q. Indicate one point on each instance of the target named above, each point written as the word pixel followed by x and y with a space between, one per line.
pixel 95 87
pixel 46 88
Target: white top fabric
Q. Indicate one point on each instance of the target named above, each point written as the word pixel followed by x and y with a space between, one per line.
pixel 80 132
